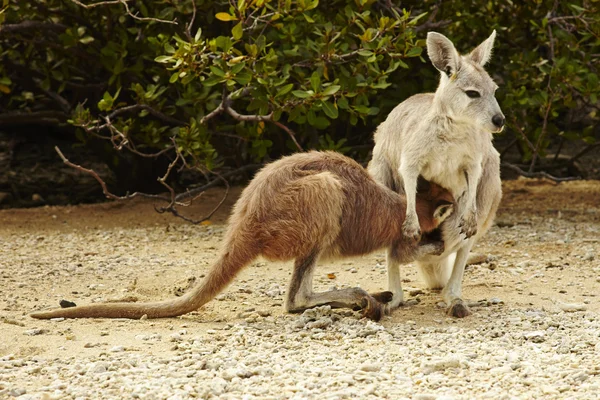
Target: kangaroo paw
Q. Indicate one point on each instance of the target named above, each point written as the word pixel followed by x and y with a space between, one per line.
pixel 383 297
pixel 411 230
pixel 372 309
pixel 468 226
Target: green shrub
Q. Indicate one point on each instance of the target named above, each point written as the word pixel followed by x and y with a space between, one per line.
pixel 252 80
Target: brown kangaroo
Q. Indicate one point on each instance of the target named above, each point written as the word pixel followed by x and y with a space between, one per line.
pixel 303 207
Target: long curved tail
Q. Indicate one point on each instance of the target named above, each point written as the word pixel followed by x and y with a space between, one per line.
pixel 221 274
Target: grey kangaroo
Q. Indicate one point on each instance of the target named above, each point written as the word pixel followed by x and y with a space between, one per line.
pixel 445 137
pixel 306 207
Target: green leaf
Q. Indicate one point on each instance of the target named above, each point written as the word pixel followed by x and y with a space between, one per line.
pixel 329 90
pixel 174 77
pixel 414 52
pixel 86 39
pixel 163 59
pixel 217 71
pixel 315 81
pixel 302 94
pixel 330 109
pixel 222 16
pixel 243 78
pixel 284 90
pixel 308 18
pixel 237 31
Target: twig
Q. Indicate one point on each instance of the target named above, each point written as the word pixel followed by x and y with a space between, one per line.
pixel 101 3
pixel 583 152
pixel 225 106
pixel 245 117
pixel 125 3
pixel 105 190
pixel 290 133
pixel 134 16
pixel 544 127
pixel 220 108
pixel 62 102
pixel 152 111
pixel 32 25
pixel 510 145
pixel 175 199
pixel 190 193
pixel 429 24
pixel 188 28
pixel 176 213
pixel 540 174
pixel 30 118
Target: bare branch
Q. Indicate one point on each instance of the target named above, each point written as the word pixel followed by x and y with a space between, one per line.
pixel 33 117
pixel 62 102
pixel 225 106
pixel 540 174
pixel 101 3
pixel 583 152
pixel 176 213
pixel 155 113
pixel 290 133
pixel 220 108
pixel 32 25
pixel 190 193
pixel 242 117
pixel 125 3
pixel 134 16
pixel 430 24
pixel 188 28
pixel 105 190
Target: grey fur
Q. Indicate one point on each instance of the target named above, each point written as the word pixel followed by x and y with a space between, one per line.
pixel 446 137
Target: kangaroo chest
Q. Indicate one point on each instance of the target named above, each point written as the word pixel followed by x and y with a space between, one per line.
pixel 448 163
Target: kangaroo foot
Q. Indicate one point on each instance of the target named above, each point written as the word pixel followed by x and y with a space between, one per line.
pixel 458 309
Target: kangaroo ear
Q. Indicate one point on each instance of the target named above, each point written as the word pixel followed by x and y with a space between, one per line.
pixel 442 53
pixel 482 53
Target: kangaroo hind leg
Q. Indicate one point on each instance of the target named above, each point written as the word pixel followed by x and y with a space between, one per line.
pixel 300 294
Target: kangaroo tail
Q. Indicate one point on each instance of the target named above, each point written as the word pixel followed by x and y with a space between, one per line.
pixel 221 274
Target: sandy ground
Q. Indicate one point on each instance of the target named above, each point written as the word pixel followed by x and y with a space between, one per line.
pixel 544 258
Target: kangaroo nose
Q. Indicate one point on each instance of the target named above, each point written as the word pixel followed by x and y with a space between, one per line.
pixel 498 120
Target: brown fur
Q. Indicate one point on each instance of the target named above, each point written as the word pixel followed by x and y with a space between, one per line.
pixel 303 207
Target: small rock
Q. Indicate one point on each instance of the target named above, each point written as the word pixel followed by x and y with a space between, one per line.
pixel 370 367
pixel 571 307
pixel 321 323
pixel 589 256
pixel 98 367
pixel 117 349
pixel 440 365
pixel 36 331
pixel 17 392
pixel 535 336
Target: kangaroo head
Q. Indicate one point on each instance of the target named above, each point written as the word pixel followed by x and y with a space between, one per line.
pixel 466 92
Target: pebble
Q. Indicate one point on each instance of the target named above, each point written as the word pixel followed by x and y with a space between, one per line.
pixel 440 364
pixel 522 351
pixel 572 307
pixel 370 367
pixel 36 331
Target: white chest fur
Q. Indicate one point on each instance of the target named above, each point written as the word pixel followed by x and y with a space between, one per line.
pixel 449 160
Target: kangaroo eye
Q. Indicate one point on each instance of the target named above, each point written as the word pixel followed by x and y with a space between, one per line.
pixel 473 94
